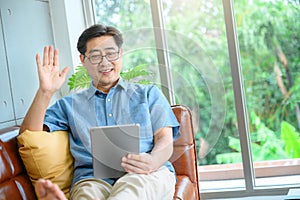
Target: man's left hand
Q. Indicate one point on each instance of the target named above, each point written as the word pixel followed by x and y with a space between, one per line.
pixel 138 163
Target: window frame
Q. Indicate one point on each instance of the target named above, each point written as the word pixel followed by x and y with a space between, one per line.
pixel 239 96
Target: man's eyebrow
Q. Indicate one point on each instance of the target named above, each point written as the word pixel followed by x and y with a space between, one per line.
pixel 99 50
pixel 110 48
pixel 95 50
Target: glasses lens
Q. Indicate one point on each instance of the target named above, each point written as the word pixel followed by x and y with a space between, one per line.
pixel 95 58
pixel 111 56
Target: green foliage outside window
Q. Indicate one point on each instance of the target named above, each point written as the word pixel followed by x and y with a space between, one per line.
pixel 265 143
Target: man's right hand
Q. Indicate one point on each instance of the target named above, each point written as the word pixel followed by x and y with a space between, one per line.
pixel 50 78
pixel 51 81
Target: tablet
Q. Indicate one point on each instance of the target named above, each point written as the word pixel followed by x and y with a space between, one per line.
pixel 109 144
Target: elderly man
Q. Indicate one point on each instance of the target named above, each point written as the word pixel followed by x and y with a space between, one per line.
pixel 108 101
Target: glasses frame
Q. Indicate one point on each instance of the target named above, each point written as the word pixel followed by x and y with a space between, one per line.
pixel 102 56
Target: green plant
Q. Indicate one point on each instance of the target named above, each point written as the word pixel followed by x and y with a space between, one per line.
pixel 80 79
pixel 291 139
pixel 265 143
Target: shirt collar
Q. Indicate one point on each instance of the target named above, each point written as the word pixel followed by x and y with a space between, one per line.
pixel 92 89
pixel 122 84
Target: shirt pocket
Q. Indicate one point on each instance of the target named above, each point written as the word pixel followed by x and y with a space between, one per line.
pixel 140 114
pixel 137 114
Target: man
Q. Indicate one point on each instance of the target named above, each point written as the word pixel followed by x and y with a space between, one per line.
pixel 109 101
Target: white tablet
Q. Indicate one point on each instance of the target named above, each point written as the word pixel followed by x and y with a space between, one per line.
pixel 109 145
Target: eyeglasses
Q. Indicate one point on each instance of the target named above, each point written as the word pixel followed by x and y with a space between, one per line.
pixel 97 58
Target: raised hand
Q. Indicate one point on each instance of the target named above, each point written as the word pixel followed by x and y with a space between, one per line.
pixel 51 81
pixel 50 77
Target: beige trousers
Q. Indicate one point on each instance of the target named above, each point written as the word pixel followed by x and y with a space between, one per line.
pixel 159 185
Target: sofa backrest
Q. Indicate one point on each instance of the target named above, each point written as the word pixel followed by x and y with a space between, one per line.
pixel 14 181
pixel 184 157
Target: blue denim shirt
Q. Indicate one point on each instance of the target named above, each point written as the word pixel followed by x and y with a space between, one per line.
pixel 126 103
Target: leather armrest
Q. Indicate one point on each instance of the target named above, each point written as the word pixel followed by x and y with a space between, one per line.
pixel 184 188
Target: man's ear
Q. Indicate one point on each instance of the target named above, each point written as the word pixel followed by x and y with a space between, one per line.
pixel 81 58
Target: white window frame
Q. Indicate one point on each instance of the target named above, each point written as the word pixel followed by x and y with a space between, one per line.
pixel 239 96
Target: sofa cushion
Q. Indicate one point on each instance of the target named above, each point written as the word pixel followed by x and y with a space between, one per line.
pixel 47 155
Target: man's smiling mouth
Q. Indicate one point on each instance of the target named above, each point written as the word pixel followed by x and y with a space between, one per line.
pixel 106 70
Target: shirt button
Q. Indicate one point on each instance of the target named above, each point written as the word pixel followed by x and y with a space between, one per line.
pixel 108 99
pixel 109 115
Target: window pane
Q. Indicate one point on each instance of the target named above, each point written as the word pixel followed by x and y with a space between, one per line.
pixel 270 48
pixel 202 80
pixel 133 18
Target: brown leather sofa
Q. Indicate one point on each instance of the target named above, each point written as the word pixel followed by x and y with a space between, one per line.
pixel 15 183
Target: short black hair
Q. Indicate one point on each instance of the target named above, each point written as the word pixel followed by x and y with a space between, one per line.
pixel 98 30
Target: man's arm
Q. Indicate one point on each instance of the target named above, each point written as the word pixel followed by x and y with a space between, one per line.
pixel 146 163
pixel 50 81
pixel 34 118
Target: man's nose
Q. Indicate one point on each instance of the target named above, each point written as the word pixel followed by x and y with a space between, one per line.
pixel 104 60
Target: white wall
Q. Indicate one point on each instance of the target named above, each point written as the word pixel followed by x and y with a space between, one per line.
pixel 26 27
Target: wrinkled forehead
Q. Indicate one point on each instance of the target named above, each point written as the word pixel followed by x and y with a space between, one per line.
pixel 101 44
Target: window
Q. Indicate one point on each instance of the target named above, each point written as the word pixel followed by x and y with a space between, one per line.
pixel 269 57
pixel 239 78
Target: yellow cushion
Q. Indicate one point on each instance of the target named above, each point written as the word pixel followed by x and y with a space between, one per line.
pixel 47 155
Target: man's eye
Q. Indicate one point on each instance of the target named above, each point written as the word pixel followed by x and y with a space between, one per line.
pixel 94 57
pixel 110 53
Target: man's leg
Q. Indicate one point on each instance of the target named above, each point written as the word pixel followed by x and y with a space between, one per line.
pixel 46 190
pixel 157 185
pixel 90 189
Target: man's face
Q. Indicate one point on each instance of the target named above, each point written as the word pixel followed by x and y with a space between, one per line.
pixel 105 74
